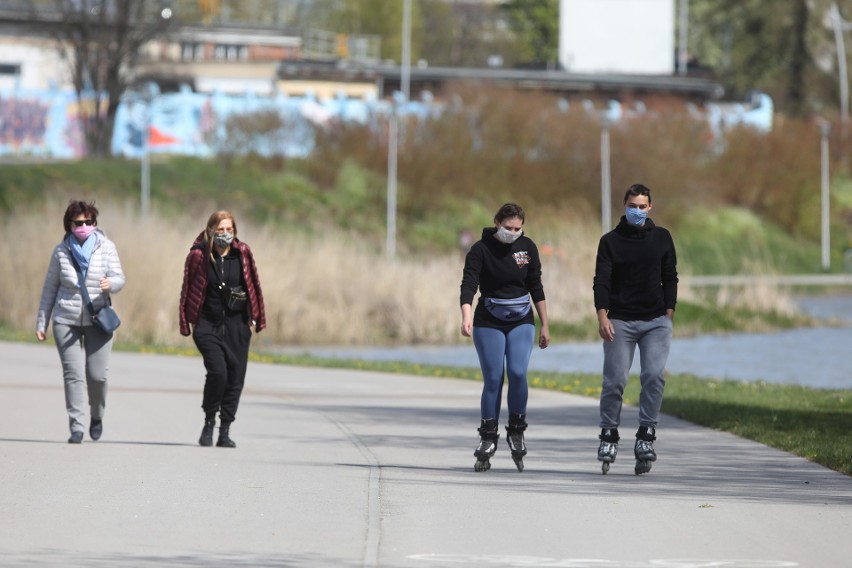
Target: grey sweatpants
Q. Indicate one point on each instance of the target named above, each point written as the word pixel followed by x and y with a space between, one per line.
pixel 84 353
pixel 654 339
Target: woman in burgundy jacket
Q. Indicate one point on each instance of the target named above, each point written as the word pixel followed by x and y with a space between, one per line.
pixel 219 302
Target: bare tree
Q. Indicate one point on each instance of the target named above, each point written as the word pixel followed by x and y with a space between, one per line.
pixel 100 40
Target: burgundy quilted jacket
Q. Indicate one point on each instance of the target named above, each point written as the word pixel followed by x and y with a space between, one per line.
pixel 194 287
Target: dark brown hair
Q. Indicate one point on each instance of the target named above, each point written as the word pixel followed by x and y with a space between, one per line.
pixel 636 190
pixel 507 211
pixel 76 208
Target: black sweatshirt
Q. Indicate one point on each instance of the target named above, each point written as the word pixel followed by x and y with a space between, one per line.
pixel 636 272
pixel 499 270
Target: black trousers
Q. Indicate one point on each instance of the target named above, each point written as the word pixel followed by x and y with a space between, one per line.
pixel 224 346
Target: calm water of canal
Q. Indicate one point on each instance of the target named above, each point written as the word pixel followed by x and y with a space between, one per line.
pixel 814 357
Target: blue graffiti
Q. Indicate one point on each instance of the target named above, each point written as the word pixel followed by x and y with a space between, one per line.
pixel 46 123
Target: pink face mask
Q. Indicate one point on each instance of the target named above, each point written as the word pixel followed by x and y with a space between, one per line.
pixel 83 232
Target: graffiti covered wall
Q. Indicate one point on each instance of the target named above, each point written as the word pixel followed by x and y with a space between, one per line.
pixel 45 124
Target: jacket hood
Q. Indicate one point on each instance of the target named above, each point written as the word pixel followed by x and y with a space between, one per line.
pixel 632 231
pixel 199 240
pixel 488 232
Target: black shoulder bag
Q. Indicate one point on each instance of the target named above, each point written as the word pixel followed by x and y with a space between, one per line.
pixel 235 297
pixel 105 318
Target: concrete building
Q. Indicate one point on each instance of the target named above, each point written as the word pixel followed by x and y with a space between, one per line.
pixel 617 36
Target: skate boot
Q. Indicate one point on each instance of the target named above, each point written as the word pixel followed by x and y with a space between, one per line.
pixel 515 438
pixel 488 436
pixel 608 448
pixel 644 449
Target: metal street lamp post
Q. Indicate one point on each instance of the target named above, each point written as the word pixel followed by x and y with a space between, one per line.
pixel 606 183
pixel 145 199
pixel 840 25
pixel 825 128
pixel 393 129
pixel 391 197
pixel 683 38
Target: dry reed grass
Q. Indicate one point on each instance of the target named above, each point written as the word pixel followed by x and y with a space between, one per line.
pixel 329 291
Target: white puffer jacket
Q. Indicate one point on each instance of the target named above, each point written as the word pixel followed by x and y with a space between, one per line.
pixel 61 295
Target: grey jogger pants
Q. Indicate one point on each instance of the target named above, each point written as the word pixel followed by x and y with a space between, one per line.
pixel 654 339
pixel 84 352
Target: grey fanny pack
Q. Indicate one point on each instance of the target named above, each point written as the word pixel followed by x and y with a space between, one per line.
pixel 508 309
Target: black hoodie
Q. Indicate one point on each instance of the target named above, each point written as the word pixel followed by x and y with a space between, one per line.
pixel 636 272
pixel 499 270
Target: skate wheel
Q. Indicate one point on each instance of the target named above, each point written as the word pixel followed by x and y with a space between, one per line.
pixel 605 468
pixel 642 467
pixel 482 465
pixel 519 464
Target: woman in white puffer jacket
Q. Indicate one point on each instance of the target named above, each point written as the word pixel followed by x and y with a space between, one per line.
pixel 84 348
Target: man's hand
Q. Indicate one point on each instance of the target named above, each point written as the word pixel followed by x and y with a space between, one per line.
pixel 605 328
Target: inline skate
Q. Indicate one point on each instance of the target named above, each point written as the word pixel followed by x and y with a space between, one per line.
pixel 608 448
pixel 644 449
pixel 488 436
pixel 515 438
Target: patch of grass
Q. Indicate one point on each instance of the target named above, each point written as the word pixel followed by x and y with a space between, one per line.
pixel 8 333
pixel 812 423
pixel 741 242
pixel 692 319
pixel 586 330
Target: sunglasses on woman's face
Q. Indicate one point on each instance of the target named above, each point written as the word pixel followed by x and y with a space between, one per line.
pixel 83 222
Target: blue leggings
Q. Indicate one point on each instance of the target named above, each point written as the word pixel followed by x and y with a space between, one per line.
pixel 495 348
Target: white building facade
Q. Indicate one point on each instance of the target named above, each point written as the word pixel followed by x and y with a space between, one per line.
pixel 617 36
pixel 31 63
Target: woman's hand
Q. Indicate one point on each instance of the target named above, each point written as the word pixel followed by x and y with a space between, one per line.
pixel 40 335
pixel 467 321
pixel 105 285
pixel 544 336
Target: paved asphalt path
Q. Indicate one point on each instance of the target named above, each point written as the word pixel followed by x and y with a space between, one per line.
pixel 351 468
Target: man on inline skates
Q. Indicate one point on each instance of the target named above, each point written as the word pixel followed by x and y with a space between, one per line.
pixel 635 291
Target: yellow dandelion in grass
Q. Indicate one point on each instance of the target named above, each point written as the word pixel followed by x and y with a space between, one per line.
pixel 593 391
pixel 566 388
pixel 536 381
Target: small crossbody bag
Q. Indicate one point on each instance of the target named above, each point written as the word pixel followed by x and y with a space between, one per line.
pixel 235 297
pixel 105 318
pixel 509 309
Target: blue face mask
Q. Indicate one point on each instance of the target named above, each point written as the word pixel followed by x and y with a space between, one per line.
pixel 636 216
